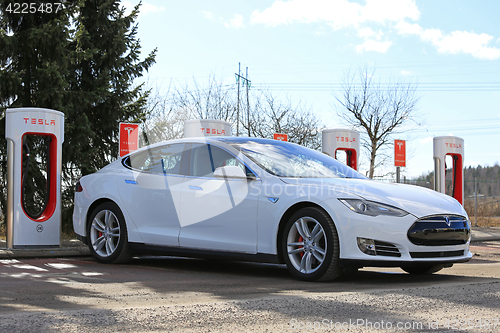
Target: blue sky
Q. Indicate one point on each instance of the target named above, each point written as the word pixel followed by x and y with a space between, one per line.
pixel 450 48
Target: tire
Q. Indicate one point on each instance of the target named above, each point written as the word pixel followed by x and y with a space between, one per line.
pixel 422 270
pixel 310 246
pixel 107 233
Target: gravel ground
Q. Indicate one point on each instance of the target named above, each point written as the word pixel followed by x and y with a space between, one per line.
pixel 436 309
pixel 180 295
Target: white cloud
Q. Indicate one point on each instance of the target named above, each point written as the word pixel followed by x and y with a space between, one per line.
pixel 366 32
pixel 468 42
pixel 456 42
pixel 431 35
pixel 340 14
pixel 236 22
pixel 373 45
pixel 390 10
pixel 208 15
pixel 347 14
pixel 336 13
pixel 405 28
pixel 406 73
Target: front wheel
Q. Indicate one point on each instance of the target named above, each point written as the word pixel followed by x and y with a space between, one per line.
pixel 310 246
pixel 107 231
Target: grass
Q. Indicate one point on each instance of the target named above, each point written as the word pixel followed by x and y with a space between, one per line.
pixel 488 211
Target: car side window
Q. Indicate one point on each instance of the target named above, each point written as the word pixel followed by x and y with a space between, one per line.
pixel 201 161
pixel 165 159
pixel 206 158
pixel 223 158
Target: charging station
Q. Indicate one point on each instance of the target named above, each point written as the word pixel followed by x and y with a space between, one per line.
pixel 449 146
pixel 336 139
pixel 34 146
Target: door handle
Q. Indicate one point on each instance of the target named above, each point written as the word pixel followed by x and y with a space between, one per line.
pixel 128 181
pixel 197 188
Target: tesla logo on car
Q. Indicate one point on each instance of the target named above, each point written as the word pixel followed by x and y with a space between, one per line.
pixel 447 220
pixel 38 121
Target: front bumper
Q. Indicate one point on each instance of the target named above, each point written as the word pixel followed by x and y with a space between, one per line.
pixel 391 239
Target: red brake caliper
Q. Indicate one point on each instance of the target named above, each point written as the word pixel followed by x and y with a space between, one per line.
pixel 300 246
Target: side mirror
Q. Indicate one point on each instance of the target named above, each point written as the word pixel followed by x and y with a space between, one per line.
pixel 230 172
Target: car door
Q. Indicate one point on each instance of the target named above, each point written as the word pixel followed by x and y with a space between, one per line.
pixel 218 214
pixel 151 193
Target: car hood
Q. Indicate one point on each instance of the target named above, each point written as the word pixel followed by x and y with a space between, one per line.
pixel 416 200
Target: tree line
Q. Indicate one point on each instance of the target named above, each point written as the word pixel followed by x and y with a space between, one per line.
pixel 486 179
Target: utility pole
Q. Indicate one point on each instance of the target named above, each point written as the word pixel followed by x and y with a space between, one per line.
pixel 248 103
pixel 475 202
pixel 247 83
pixel 238 105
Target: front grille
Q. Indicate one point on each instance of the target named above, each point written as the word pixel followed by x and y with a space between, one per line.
pixel 440 230
pixel 386 249
pixel 440 254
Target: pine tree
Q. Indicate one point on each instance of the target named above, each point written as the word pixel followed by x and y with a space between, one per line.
pixel 87 73
pixel 105 52
pixel 33 66
pixel 106 61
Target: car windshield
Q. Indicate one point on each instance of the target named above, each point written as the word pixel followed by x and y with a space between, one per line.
pixel 285 159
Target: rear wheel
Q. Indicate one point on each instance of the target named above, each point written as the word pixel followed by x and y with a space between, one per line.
pixel 108 239
pixel 421 270
pixel 310 246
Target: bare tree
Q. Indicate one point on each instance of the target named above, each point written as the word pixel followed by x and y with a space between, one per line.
pixel 164 118
pixel 167 111
pixel 379 110
pixel 214 100
pixel 270 115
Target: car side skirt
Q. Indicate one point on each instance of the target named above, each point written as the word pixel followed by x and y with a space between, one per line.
pixel 146 249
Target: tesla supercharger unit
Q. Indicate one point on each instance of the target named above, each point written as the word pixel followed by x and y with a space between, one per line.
pixel 28 226
pixel 342 139
pixel 454 147
pixel 206 127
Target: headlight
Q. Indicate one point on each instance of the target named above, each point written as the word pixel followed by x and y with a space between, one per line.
pixel 372 208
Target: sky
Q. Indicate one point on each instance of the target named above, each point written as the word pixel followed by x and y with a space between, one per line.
pixel 302 50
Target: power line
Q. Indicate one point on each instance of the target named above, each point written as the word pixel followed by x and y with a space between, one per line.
pixel 247 84
pixel 427 86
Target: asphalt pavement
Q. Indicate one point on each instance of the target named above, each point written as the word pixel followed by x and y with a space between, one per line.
pixel 75 248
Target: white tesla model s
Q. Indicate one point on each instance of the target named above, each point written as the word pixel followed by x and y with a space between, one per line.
pixel 264 200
